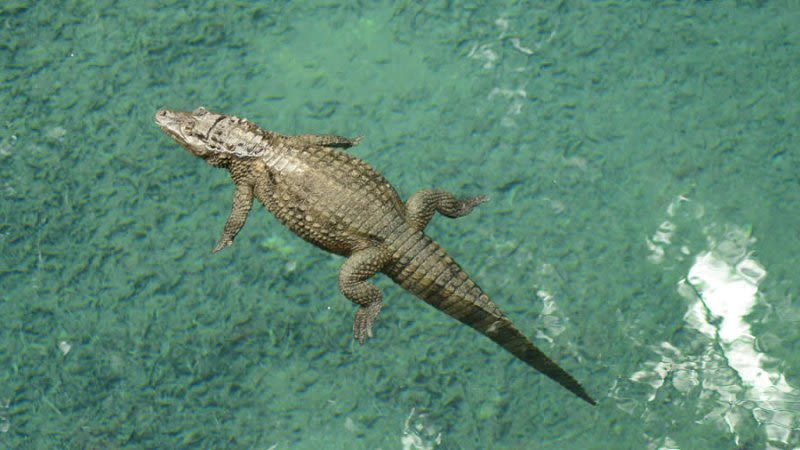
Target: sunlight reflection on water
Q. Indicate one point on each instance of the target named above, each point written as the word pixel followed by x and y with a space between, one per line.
pixel 723 292
pixel 737 383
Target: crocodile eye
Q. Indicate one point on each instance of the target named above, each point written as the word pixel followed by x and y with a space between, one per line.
pixel 200 111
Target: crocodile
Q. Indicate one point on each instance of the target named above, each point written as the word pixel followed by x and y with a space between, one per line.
pixel 342 205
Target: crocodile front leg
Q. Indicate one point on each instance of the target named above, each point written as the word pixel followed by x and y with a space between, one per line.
pixel 421 206
pixel 242 202
pixel 355 271
pixel 326 140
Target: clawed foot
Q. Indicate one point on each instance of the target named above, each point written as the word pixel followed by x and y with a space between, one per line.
pixel 455 208
pixel 468 204
pixel 222 244
pixel 365 317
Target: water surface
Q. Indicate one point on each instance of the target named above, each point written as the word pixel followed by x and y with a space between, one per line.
pixel 642 165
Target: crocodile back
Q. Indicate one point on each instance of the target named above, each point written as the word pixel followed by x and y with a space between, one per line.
pixel 329 197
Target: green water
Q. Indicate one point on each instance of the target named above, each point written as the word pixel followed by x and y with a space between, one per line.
pixel 642 164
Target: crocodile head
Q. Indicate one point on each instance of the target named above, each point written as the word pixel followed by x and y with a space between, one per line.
pixel 191 130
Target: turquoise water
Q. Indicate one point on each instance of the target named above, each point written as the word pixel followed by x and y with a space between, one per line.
pixel 642 165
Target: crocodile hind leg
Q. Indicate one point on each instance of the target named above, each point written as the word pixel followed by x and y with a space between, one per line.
pixel 421 206
pixel 353 282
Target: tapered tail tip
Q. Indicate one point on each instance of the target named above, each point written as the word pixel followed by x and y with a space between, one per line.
pixel 582 394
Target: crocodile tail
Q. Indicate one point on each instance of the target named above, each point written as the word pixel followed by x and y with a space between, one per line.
pixel 505 334
pixel 432 275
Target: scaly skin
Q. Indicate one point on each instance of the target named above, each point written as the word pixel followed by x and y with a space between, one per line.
pixel 340 204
